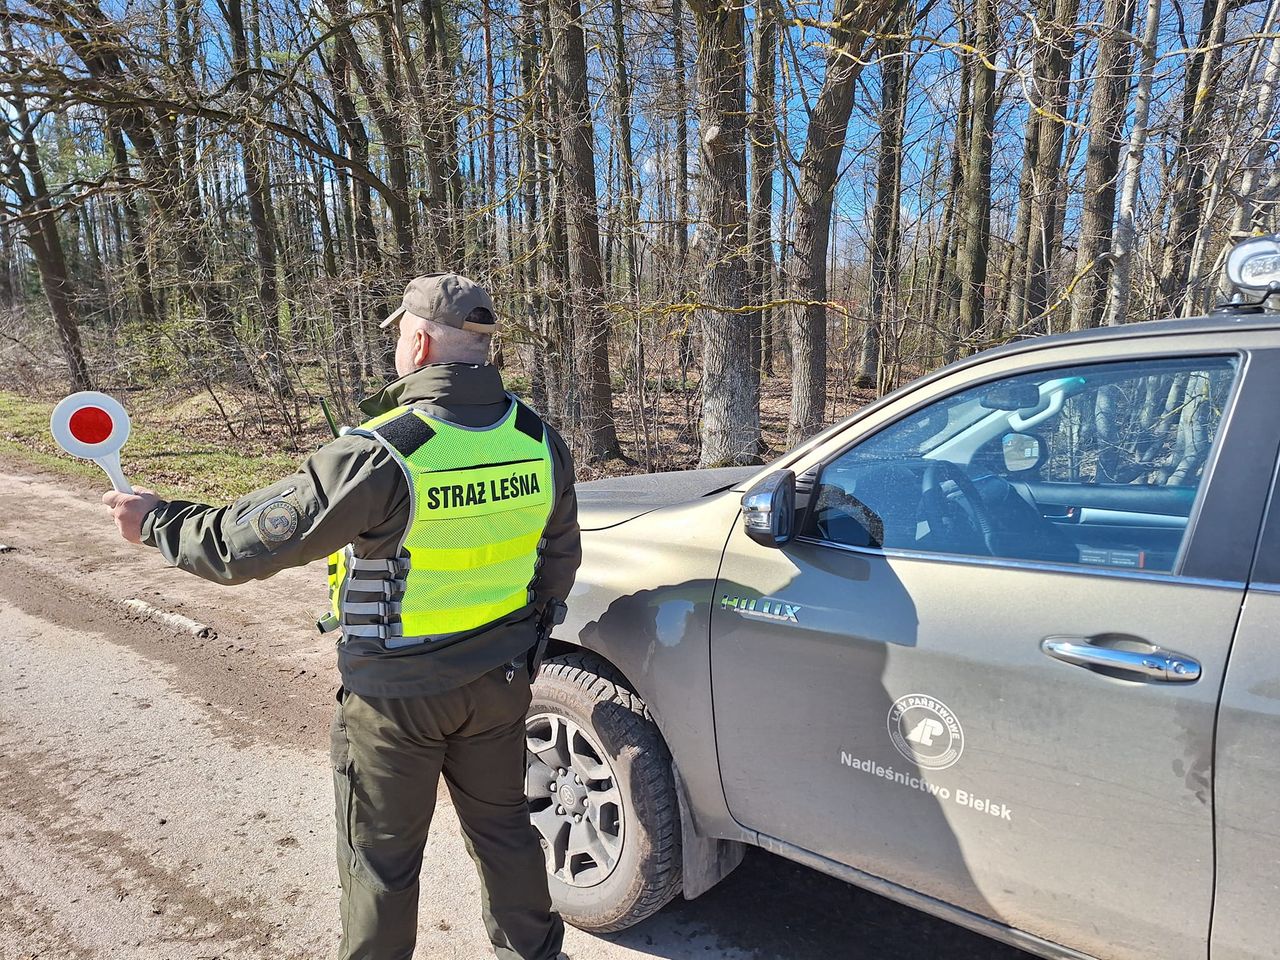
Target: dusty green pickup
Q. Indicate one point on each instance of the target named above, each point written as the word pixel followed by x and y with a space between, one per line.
pixel 1002 646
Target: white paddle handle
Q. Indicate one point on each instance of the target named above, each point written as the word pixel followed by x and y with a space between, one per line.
pixel 111 466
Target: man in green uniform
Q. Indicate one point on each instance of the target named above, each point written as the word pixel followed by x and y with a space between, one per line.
pixel 450 523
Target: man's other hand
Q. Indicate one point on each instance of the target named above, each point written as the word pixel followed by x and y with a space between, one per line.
pixel 128 509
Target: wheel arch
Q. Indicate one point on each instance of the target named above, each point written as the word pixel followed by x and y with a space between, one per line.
pixel 705 859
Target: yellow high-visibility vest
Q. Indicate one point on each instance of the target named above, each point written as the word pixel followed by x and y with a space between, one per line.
pixel 481 499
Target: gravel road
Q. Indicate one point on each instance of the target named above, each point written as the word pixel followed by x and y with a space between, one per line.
pixel 168 798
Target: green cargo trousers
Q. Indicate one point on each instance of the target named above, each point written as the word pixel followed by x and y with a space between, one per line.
pixel 388 755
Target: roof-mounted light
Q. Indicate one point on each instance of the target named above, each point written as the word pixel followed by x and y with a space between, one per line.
pixel 1254 264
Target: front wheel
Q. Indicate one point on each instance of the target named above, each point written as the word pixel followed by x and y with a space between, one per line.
pixel 601 796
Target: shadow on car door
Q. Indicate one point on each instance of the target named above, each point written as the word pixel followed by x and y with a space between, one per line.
pixel 802 718
pixel 954 723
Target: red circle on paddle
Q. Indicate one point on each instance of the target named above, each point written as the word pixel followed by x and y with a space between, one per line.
pixel 90 425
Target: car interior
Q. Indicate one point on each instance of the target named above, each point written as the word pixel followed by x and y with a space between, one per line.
pixel 1096 465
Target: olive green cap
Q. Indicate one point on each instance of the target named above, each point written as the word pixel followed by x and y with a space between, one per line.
pixel 446 298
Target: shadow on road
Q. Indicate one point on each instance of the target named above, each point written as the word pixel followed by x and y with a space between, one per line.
pixel 772 909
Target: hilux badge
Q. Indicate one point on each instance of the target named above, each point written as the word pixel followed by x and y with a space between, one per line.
pixel 762 608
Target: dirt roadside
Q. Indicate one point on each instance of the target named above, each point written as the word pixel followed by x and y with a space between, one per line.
pixel 168 797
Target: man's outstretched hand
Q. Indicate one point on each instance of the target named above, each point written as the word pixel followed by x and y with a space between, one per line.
pixel 128 509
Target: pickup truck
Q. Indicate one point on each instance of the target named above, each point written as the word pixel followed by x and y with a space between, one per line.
pixel 1001 646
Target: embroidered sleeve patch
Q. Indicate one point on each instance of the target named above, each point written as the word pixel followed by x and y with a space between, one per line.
pixel 277 522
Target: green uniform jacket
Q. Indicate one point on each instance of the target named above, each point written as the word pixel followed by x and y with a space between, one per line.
pixel 353 491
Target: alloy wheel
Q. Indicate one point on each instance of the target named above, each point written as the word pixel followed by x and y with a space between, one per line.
pixel 574 800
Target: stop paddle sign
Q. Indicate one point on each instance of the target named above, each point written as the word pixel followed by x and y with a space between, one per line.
pixel 94 426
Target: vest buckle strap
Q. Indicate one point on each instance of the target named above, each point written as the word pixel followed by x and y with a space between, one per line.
pixel 394 643
pixel 378 608
pixel 379 631
pixel 385 566
pixel 392 635
pixel 388 588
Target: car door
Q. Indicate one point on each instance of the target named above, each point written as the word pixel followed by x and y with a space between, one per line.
pixel 963 706
pixel 1246 925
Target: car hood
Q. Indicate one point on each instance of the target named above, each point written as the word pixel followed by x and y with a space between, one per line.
pixel 607 503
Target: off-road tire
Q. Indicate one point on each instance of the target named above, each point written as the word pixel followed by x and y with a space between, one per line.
pixel 589 691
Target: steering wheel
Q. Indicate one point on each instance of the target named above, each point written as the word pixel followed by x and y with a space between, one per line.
pixel 935 504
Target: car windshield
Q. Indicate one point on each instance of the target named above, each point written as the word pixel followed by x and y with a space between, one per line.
pixel 918 435
pixel 943 421
pixel 931 431
pixel 798 452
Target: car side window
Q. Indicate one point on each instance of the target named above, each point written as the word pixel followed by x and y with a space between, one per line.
pixel 1095 464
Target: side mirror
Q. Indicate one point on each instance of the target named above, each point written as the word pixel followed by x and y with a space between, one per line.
pixel 769 509
pixel 1022 452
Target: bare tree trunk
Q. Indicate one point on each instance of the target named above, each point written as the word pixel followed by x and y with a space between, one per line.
pixel 448 151
pixel 1259 104
pixel 9 285
pixel 946 283
pixel 562 387
pixel 527 134
pixel 135 241
pixel 1195 296
pixel 630 200
pixel 43 237
pixel 730 382
pixel 366 259
pixel 385 103
pixel 1015 294
pixel 432 96
pixel 257 182
pixel 1119 286
pixel 169 145
pixel 1193 151
pixel 491 142
pixel 46 247
pixel 975 191
pixel 628 221
pixel 596 436
pixel 680 70
pixel 391 123
pixel 763 161
pixel 819 164
pixel 1106 119
pixel 1049 104
pixel 1263 110
pixel 885 218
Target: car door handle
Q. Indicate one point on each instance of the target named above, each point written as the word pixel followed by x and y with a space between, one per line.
pixel 1155 663
pixel 1058 513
